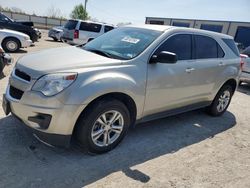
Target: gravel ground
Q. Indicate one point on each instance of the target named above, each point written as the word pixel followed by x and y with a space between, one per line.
pixel 187 150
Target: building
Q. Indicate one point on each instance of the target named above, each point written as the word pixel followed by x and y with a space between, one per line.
pixel 239 30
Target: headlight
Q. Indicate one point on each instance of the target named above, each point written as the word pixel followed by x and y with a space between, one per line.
pixel 26 38
pixel 53 84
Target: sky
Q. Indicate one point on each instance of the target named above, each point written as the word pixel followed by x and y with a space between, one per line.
pixel 135 11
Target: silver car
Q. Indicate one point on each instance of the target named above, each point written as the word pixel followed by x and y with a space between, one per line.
pixel 56 33
pixel 128 75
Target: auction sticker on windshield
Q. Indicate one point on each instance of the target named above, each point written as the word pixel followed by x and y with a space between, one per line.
pixel 130 40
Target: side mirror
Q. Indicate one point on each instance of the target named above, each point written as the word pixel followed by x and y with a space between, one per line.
pixel 164 57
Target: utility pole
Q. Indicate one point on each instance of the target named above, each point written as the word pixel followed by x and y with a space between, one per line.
pixel 85 7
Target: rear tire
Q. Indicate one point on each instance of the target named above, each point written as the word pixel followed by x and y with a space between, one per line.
pixel 221 101
pixel 11 45
pixel 55 39
pixel 97 131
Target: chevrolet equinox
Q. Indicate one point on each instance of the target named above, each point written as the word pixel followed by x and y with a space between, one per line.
pixel 132 74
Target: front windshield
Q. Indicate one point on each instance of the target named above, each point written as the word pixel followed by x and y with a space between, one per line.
pixel 123 43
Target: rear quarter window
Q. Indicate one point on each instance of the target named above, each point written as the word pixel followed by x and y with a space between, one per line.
pixel 231 44
pixel 107 28
pixel 91 27
pixel 71 24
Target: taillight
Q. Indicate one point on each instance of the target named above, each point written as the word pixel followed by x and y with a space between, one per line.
pixel 242 62
pixel 76 34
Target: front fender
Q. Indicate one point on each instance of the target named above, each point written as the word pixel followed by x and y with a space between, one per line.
pixel 100 84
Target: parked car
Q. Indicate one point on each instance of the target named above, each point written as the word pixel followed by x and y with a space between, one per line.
pixel 131 74
pixel 245 75
pixel 56 33
pixel 21 26
pixel 5 59
pixel 77 32
pixel 12 41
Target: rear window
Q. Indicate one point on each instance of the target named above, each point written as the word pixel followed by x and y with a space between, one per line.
pixel 91 27
pixel 71 24
pixel 231 44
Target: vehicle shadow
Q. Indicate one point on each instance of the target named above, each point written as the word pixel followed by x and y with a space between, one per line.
pixel 19 51
pixel 244 88
pixel 25 160
pixel 51 40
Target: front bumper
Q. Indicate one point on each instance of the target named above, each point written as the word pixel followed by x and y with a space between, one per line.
pixel 245 77
pixel 33 107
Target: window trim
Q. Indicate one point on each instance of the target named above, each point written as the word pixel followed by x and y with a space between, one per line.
pixel 194 47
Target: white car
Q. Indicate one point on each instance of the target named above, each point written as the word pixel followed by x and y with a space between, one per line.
pixel 12 41
pixel 77 32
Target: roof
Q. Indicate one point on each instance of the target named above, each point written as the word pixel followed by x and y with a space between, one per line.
pixel 164 28
pixel 89 21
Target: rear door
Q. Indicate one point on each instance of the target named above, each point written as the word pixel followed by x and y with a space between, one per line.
pixel 69 29
pixel 210 64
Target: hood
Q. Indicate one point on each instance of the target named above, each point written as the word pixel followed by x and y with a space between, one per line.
pixel 12 32
pixel 61 59
pixel 27 23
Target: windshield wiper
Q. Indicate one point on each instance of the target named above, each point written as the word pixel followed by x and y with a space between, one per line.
pixel 100 52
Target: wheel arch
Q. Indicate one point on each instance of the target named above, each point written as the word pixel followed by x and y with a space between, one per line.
pixel 127 100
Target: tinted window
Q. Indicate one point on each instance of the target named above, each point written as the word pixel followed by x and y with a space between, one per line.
pixel 181 24
pixel 206 47
pixel 4 18
pixel 92 27
pixel 71 24
pixel 215 28
pixel 231 44
pixel 247 51
pixel 243 36
pixel 181 45
pixel 107 28
pixel 156 22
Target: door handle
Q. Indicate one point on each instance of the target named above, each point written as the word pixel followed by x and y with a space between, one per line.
pixel 221 64
pixel 189 70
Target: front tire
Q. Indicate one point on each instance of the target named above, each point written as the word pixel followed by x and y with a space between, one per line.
pixel 221 101
pixel 11 45
pixel 103 126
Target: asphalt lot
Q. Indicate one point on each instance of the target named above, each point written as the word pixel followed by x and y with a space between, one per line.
pixel 187 150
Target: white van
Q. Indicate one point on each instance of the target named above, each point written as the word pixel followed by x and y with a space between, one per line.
pixel 78 32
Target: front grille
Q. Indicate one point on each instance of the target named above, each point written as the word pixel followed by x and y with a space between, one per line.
pixel 22 75
pixel 15 93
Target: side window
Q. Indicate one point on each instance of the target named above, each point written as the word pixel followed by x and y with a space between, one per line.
pixel 91 27
pixel 107 28
pixel 207 47
pixel 180 44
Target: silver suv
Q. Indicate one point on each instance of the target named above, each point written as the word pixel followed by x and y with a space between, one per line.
pixel 128 75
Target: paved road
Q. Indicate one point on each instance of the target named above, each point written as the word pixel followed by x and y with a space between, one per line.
pixel 187 150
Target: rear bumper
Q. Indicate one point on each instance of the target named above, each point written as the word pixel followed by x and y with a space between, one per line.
pixel 245 77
